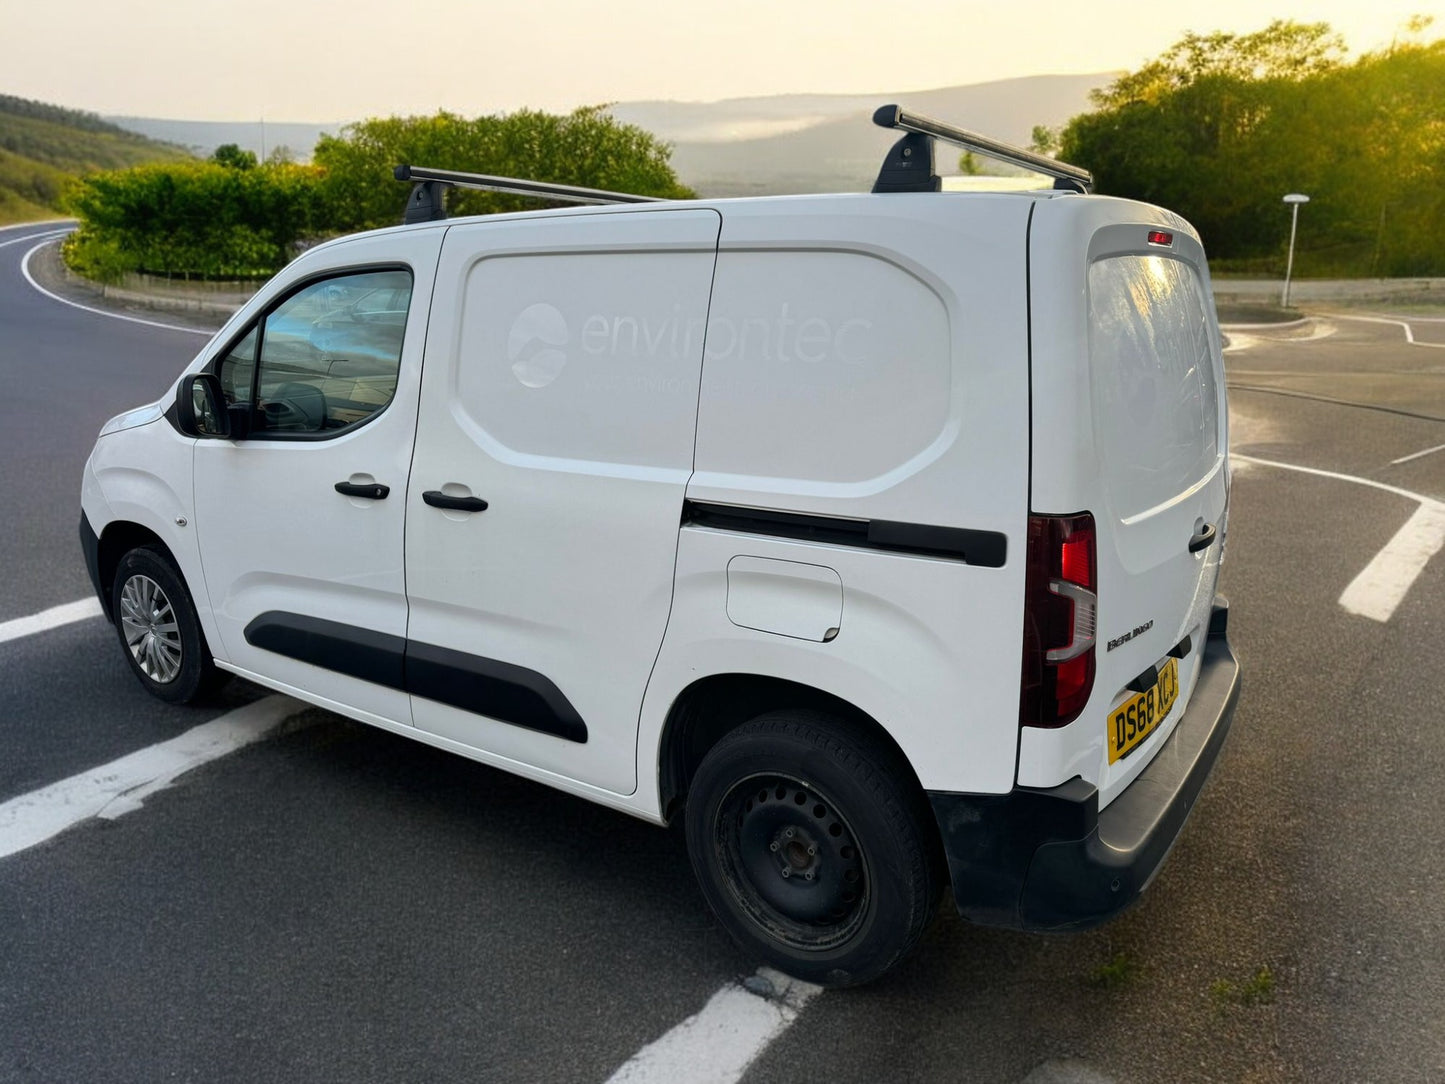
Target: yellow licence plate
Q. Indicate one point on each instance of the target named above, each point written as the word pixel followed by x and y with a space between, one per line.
pixel 1139 716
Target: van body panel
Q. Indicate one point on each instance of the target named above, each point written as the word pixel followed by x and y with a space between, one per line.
pixel 1129 424
pixel 560 387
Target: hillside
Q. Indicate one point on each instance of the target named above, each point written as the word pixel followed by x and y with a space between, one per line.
pixel 41 146
pixel 828 142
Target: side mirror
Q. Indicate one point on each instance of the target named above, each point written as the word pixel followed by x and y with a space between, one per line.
pixel 201 407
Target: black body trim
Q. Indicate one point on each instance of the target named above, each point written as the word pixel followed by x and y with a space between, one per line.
pixel 988 549
pixel 346 649
pixel 90 546
pixel 499 690
pixel 1050 860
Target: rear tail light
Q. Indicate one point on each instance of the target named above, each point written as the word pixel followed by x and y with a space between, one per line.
pixel 1060 610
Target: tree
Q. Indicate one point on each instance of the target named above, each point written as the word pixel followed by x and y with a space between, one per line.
pixel 586 147
pixel 232 156
pixel 1222 125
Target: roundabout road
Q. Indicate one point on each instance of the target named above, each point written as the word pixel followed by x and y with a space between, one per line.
pixel 332 903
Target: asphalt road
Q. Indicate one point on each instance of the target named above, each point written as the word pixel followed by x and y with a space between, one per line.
pixel 337 904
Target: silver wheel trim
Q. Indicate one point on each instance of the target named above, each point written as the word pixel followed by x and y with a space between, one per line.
pixel 149 625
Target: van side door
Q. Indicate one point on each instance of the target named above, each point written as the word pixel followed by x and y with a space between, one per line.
pixel 558 406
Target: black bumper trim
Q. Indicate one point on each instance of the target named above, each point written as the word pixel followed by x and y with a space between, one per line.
pixel 1050 860
pixel 90 546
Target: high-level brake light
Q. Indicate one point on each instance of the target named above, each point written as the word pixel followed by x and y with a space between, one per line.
pixel 1060 613
pixel 1159 237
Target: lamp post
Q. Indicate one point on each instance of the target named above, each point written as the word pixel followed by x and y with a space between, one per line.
pixel 1294 199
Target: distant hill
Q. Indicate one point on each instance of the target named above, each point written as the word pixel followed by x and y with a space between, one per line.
pixel 740 146
pixel 828 142
pixel 42 145
pixel 202 137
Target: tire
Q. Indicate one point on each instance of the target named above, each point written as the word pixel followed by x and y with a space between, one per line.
pixel 159 632
pixel 796 791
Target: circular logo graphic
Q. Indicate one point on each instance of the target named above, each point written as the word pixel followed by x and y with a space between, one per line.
pixel 534 345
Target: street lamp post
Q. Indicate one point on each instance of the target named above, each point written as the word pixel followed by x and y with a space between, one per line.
pixel 1294 199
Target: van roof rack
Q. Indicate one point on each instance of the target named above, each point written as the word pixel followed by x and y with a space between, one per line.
pixel 425 202
pixel 909 165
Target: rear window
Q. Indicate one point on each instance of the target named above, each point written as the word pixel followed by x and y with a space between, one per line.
pixel 1156 396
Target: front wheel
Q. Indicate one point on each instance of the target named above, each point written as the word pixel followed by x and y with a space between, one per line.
pixel 156 621
pixel 811 848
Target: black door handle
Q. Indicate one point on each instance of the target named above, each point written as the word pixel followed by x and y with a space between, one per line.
pixel 437 499
pixel 1203 539
pixel 371 491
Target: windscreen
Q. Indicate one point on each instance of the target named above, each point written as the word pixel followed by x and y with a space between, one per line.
pixel 1156 397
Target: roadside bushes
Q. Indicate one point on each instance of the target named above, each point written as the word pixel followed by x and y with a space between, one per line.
pixel 231 218
pixel 200 219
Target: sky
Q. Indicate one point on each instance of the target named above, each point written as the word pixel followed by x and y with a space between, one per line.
pixel 339 60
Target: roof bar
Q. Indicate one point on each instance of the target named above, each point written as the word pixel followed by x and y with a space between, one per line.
pixel 425 205
pixel 893 116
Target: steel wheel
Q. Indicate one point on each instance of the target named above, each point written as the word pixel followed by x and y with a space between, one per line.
pixel 793 861
pixel 813 844
pixel 151 632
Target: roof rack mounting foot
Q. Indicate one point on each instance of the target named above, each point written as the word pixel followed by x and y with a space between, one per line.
pixel 909 166
pixel 427 203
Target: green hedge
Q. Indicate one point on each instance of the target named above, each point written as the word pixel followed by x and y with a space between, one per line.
pixel 199 219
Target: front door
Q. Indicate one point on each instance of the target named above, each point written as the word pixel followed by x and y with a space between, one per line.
pixel 301 524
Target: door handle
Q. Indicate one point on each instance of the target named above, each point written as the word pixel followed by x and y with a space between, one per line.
pixel 1202 539
pixel 371 491
pixel 437 499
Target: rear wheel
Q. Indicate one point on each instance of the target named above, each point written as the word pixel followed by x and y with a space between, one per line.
pixel 158 628
pixel 811 848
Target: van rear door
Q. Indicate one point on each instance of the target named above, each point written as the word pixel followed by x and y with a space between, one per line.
pixel 1129 425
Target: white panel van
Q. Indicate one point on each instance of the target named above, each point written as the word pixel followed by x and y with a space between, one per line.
pixel 875 536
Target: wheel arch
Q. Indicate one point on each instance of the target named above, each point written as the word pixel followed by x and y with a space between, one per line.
pixel 713 706
pixel 116 540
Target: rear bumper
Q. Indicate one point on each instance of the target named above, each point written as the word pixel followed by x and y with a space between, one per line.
pixel 1049 860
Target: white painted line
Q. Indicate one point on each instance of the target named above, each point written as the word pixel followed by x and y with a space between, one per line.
pixel 118 787
pixel 1409 331
pixel 1418 455
pixel 70 612
pixel 52 235
pixel 1385 486
pixel 717 1045
pixel 1382 586
pixel 25 270
pixel 67 222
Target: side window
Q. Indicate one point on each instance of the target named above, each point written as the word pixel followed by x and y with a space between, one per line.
pixel 328 355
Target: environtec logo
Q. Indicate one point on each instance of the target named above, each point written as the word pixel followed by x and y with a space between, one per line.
pixel 536 345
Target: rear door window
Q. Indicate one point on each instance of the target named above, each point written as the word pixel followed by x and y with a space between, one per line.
pixel 1156 394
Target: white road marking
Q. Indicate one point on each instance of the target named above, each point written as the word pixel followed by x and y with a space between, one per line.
pixel 1383 584
pixel 118 787
pixel 1417 455
pixel 25 270
pixel 67 222
pixel 717 1045
pixel 52 235
pixel 70 612
pixel 1409 331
